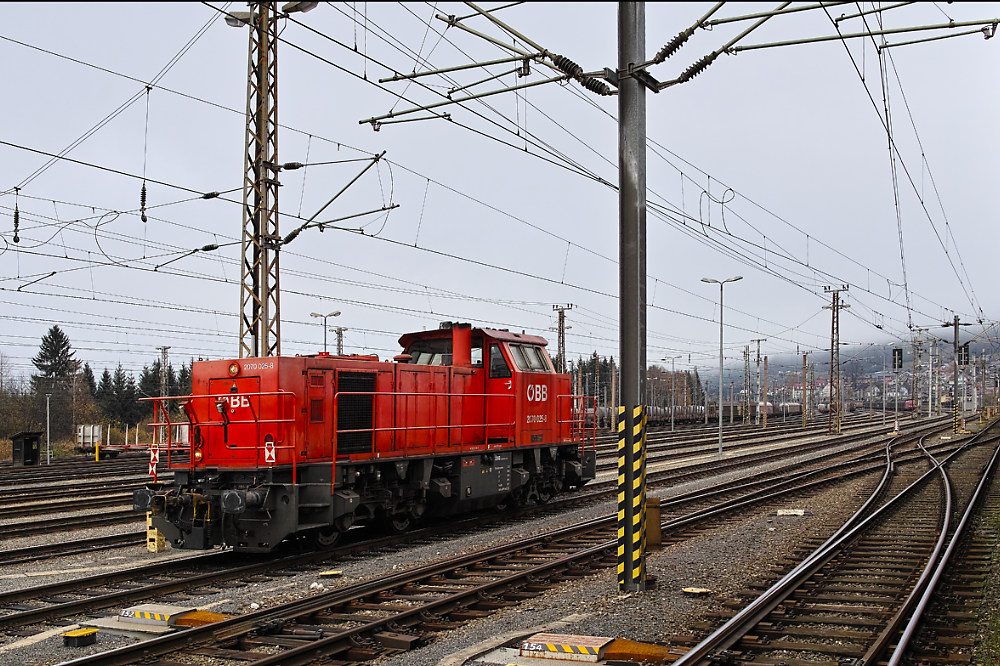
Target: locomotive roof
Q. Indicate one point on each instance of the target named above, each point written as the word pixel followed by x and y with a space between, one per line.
pixel 503 335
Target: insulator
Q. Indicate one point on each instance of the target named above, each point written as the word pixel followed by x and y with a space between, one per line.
pixel 696 69
pixel 210 195
pixel 142 196
pixel 566 65
pixel 595 85
pixel 17 223
pixel 672 47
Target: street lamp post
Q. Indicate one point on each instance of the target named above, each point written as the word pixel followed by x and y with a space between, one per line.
pixel 883 389
pixel 721 283
pixel 335 313
pixel 895 427
pixel 673 400
pixel 48 437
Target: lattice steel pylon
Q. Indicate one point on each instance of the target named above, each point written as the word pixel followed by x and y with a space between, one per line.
pixel 260 323
pixel 562 334
pixel 835 413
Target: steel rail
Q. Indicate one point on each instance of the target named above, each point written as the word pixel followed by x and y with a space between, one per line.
pixel 17 530
pixel 744 621
pixel 75 547
pixel 888 633
pixel 911 626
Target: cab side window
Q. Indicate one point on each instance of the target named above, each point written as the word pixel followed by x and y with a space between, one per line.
pixel 477 352
pixel 498 364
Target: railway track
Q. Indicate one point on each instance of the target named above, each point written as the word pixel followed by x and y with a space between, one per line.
pixel 681 473
pixel 70 469
pixel 739 494
pixel 860 597
pixel 75 547
pixel 67 524
pixel 101 495
pixel 11 496
pixel 391 614
pixel 696 500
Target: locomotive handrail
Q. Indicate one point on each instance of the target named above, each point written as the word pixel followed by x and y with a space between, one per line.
pixel 578 418
pixel 509 396
pixel 160 402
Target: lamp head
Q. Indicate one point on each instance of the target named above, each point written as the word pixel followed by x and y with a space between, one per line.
pixel 238 19
pixel 290 7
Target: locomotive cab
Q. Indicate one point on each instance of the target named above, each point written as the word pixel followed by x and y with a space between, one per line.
pixel 464 419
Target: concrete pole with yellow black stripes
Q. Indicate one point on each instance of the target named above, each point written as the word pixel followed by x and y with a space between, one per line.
pixel 632 298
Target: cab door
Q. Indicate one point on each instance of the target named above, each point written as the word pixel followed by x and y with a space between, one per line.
pixel 499 407
pixel 536 414
pixel 320 412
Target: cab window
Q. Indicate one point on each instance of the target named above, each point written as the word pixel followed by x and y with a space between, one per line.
pixel 498 364
pixel 430 352
pixel 477 352
pixel 519 358
pixel 543 358
pixel 530 358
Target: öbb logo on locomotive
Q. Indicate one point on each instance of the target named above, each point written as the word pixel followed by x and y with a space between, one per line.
pixel 464 419
pixel 236 401
pixel 538 392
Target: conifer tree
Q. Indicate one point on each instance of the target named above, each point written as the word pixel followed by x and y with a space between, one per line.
pixel 53 385
pixel 54 360
pixel 89 381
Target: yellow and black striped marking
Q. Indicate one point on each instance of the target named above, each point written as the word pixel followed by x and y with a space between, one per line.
pixel 146 615
pixel 571 649
pixel 543 644
pixel 631 500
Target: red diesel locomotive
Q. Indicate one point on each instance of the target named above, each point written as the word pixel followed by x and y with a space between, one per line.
pixel 463 419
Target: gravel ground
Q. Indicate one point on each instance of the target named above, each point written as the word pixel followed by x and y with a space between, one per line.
pixel 722 560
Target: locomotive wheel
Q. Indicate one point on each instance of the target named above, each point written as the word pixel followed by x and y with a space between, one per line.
pixel 326 537
pixel 543 494
pixel 398 523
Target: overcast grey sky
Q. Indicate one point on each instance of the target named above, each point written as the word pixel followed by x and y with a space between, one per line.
pixel 773 164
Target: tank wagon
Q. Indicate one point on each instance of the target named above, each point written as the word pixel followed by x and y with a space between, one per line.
pixel 659 416
pixel 464 419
